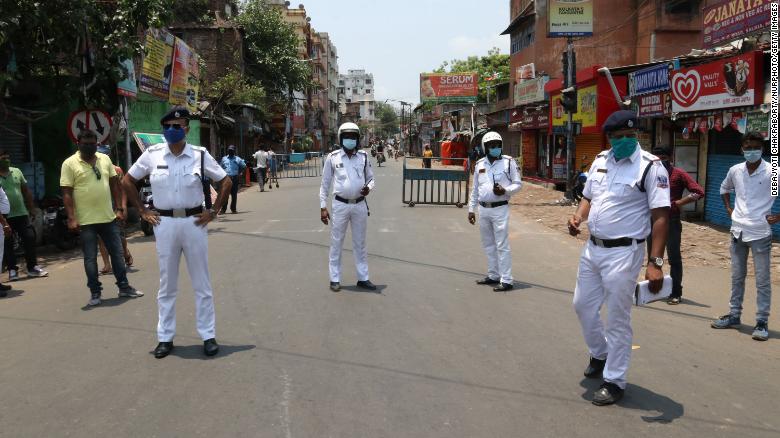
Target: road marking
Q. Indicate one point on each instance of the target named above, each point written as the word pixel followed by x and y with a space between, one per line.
pixel 285 405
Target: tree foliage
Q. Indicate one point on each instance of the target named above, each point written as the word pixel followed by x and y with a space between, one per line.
pixel 387 117
pixel 272 50
pixel 235 88
pixel 494 65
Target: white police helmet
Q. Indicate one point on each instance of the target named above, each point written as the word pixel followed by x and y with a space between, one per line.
pixel 348 127
pixel 491 136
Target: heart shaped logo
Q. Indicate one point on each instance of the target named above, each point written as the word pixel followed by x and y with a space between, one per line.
pixel 686 87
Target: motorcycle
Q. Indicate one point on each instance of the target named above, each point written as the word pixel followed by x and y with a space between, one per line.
pixel 380 158
pixel 55 225
pixel 147 199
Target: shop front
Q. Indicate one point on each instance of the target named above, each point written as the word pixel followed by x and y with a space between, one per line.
pixel 532 122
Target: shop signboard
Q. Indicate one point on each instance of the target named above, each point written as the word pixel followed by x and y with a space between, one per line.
pixel 186 73
pixel 655 105
pixel 530 91
pixel 731 20
pixel 649 80
pixel 587 99
pixel 525 72
pixel 758 121
pixel 158 63
pixel 725 83
pixel 448 87
pixel 569 18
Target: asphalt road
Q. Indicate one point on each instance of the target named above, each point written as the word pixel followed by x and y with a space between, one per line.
pixel 432 355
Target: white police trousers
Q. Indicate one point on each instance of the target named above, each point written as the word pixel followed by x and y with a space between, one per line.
pixel 608 275
pixel 343 215
pixel 177 236
pixel 494 230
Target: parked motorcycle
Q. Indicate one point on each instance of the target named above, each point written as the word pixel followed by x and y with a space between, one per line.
pixel 55 224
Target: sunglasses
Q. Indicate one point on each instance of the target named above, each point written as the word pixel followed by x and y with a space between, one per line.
pixel 619 136
pixel 173 125
pixel 97 172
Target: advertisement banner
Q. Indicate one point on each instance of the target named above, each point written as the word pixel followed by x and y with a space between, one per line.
pixel 448 87
pixel 158 63
pixel 570 18
pixel 530 91
pixel 655 105
pixel 649 80
pixel 725 83
pixel 127 87
pixel 758 121
pixel 525 72
pixel 587 99
pixel 731 20
pixel 186 73
pixel 534 118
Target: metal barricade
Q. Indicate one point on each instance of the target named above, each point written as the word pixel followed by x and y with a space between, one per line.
pixel 300 165
pixel 439 184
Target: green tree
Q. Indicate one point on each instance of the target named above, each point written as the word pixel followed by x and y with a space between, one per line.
pixel 493 65
pixel 387 117
pixel 272 50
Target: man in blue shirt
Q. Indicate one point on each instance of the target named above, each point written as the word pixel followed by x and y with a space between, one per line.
pixel 234 166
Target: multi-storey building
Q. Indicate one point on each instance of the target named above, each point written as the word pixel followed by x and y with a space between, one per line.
pixel 357 87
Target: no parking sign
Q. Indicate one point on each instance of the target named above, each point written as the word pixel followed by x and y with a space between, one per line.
pixel 96 120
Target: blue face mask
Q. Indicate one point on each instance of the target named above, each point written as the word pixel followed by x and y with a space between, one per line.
pixel 174 135
pixel 495 152
pixel 349 143
pixel 752 156
pixel 623 147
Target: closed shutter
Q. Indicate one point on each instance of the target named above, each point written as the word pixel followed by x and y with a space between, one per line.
pixel 717 167
pixel 13 139
pixel 530 152
pixel 586 147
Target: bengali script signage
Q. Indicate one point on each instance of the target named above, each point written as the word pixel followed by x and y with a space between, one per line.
pixel 734 19
pixel 530 91
pixel 570 18
pixel 725 83
pixel 448 87
pixel 158 63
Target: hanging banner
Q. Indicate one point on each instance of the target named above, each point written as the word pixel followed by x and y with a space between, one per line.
pixel 649 80
pixel 158 63
pixel 725 83
pixel 731 20
pixel 186 73
pixel 127 87
pixel 448 87
pixel 525 72
pixel 758 121
pixel 569 18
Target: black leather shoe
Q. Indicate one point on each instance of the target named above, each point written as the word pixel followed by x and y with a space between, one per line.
pixel 5 287
pixel 163 349
pixel 3 294
pixel 487 281
pixel 335 286
pixel 608 394
pixel 595 367
pixel 366 285
pixel 210 347
pixel 503 287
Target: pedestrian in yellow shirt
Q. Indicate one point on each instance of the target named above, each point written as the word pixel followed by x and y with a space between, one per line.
pixel 427 156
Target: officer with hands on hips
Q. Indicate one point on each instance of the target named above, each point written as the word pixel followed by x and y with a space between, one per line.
pixel 626 188
pixel 177 170
pixel 496 179
pixel 354 180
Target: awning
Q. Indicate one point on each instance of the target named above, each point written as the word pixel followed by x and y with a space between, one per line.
pixel 521 18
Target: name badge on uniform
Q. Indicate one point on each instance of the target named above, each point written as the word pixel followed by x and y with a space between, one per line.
pixel 601 170
pixel 162 166
pixel 481 171
pixel 340 166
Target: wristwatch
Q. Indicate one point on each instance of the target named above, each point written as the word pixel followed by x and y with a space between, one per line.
pixel 658 261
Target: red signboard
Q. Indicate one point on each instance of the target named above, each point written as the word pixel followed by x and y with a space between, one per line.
pixel 655 105
pixel 535 118
pixel 731 20
pixel 448 87
pixel 725 83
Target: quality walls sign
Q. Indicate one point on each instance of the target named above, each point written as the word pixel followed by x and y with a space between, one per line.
pixel 448 87
pixel 725 83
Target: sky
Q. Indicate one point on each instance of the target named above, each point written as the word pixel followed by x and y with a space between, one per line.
pixel 396 40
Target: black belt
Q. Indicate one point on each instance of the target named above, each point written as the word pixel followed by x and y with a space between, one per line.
pixel 181 212
pixel 493 204
pixel 614 243
pixel 350 201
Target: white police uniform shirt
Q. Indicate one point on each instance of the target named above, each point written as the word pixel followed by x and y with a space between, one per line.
pixel 503 171
pixel 176 180
pixel 753 202
pixel 176 184
pixel 618 207
pixel 348 175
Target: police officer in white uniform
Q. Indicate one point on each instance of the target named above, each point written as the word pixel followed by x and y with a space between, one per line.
pixel 354 180
pixel 176 170
pixel 496 179
pixel 626 189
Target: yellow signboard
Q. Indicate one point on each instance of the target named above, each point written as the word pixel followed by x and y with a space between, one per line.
pixel 586 108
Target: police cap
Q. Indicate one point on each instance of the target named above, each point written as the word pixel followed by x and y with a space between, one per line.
pixel 176 112
pixel 622 119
